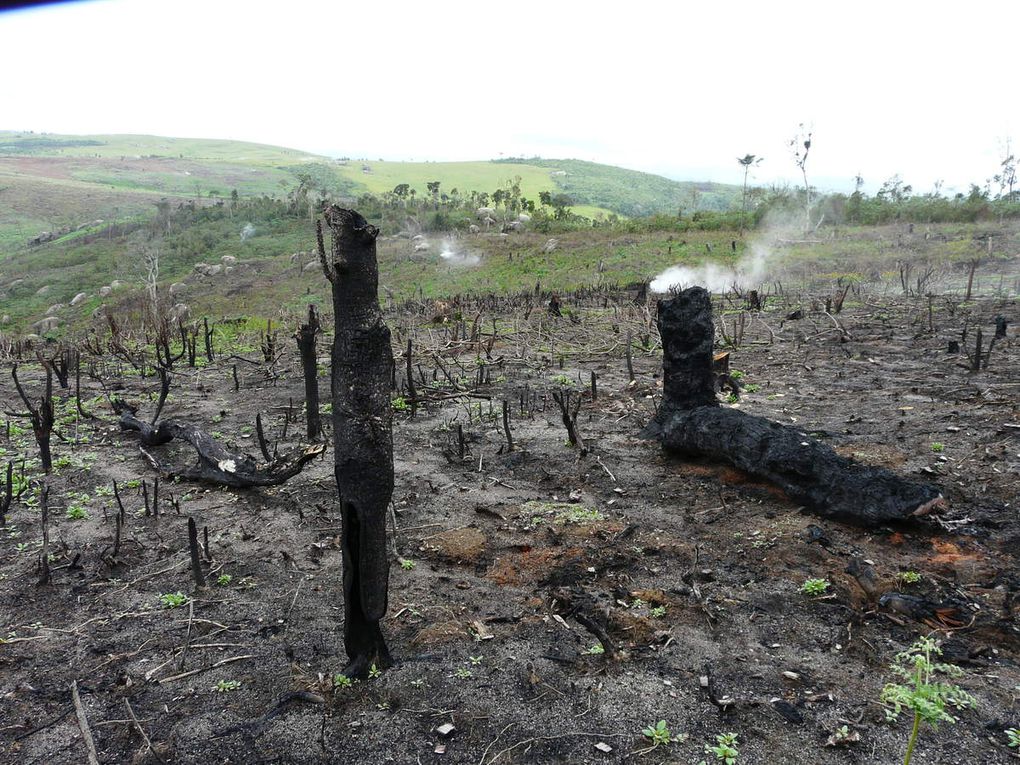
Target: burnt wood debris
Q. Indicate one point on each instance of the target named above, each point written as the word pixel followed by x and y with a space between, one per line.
pixel 690 421
pixel 216 463
pixel 362 362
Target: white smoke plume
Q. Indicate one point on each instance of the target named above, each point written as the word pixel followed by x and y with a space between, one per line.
pixel 455 257
pixel 749 272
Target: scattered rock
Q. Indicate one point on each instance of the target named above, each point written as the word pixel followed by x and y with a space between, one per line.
pixel 446 730
pixel 310 265
pixel 178 288
pixel 42 290
pixel 105 291
pixel 228 260
pixel 550 245
pixel 47 324
pixel 79 298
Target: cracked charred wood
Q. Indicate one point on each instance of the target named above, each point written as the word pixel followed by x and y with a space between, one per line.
pixel 216 463
pixel 690 421
pixel 362 360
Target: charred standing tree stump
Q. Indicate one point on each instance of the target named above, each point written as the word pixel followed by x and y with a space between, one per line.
pixel 309 366
pixel 362 361
pixel 690 421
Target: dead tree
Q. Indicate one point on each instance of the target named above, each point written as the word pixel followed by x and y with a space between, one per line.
pixel 568 414
pixel 305 337
pixel 690 421
pixel 40 414
pixel 8 494
pixel 216 463
pixel 362 361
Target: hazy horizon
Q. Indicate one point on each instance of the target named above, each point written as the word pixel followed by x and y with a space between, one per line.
pixel 901 89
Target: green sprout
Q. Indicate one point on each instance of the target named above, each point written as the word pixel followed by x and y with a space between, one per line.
pixel 227 685
pixel 173 599
pixel 1013 736
pixel 658 733
pixel 909 577
pixel 920 692
pixel 658 612
pixel 407 564
pixel 937 446
pixel 476 660
pixel 374 672
pixel 463 673
pixel 814 587
pixel 224 579
pixel 76 513
pixel 342 682
pixel 596 650
pixel 400 404
pixel 725 748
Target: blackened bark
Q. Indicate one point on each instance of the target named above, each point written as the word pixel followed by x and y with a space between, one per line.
pixel 216 463
pixel 362 363
pixel 309 366
pixel 690 421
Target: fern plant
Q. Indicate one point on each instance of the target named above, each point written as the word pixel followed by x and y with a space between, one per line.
pixel 921 692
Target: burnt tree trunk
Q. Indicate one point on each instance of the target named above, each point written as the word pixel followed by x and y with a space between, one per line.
pixel 690 421
pixel 309 366
pixel 362 361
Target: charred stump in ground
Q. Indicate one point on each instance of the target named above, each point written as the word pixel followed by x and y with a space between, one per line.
pixel 362 361
pixel 690 421
pixel 309 366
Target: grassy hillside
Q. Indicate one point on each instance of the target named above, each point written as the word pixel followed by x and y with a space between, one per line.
pixel 50 182
pixel 630 192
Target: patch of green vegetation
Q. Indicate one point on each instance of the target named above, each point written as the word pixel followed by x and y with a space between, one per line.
pixel 173 599
pixel 909 577
pixel 225 686
pixel 815 587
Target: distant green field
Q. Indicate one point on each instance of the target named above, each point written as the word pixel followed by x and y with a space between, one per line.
pixel 72 179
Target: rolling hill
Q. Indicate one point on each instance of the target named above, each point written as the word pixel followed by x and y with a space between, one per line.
pixel 58 182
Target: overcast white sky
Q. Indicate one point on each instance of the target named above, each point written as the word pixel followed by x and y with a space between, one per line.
pixel 923 89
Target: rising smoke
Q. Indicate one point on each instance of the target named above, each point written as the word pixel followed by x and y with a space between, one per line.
pixel 453 256
pixel 749 272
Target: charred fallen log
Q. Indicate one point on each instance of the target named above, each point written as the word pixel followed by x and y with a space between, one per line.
pixel 690 421
pixel 216 463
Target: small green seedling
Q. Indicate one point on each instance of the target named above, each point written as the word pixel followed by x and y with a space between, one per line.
pixel 224 686
pixel 406 564
pixel 920 692
pixel 1013 737
pixel 638 603
pixel 341 682
pixel 814 587
pixel 76 513
pixel 374 672
pixel 400 404
pixel 463 673
pixel 224 579
pixel 937 446
pixel 476 660
pixel 596 650
pixel 909 577
pixel 173 599
pixel 658 733
pixel 725 748
pixel 658 612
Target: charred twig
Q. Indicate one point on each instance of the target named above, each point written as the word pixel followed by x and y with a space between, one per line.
pixel 569 416
pixel 196 562
pixel 83 725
